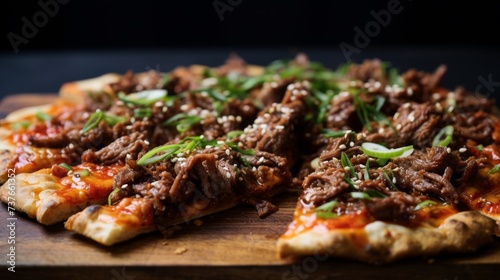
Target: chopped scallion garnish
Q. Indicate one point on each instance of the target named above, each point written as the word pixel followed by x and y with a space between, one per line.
pixel 346 163
pixel 332 134
pixel 93 121
pixel 142 113
pixel 42 116
pixel 111 195
pixel 325 211
pixel 65 166
pixel 144 98
pixel 495 169
pixel 183 122
pixel 20 125
pixel 444 137
pixel 425 203
pixel 379 151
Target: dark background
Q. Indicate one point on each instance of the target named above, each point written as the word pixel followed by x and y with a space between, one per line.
pixel 87 38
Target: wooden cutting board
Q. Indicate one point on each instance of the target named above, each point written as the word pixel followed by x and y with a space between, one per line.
pixel 234 244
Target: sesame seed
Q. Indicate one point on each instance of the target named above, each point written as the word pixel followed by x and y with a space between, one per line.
pixel 406 105
pixel 228 151
pixel 129 156
pixel 124 186
pixel 164 109
pixel 228 175
pixel 462 150
pixel 261 160
pixel 398 127
pixel 448 150
pixel 146 142
pixel 254 169
pixel 290 87
pixel 351 144
pixel 342 147
pixel 347 168
pixel 409 91
pixel 411 117
pixel 394 180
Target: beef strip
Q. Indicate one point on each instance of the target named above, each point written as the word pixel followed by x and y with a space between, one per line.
pixel 131 145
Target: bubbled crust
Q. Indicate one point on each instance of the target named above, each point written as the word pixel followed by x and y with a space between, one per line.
pixel 381 242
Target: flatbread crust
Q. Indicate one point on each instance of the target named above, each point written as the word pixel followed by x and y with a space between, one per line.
pixel 381 242
pixel 76 91
pixel 42 196
pixel 131 217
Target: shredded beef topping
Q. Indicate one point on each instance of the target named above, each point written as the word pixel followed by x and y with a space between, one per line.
pixel 243 134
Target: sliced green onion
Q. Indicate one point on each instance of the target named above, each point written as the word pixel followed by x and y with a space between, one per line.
pixel 111 194
pixel 367 194
pixel 143 113
pixel 379 151
pixel 20 125
pixel 235 147
pixel 151 157
pixel 253 82
pixel 65 166
pixel 444 137
pixel 367 170
pixel 233 134
pixel 425 203
pixel 183 122
pixel 93 121
pixel 111 120
pixel 213 93
pixel 360 195
pixel 375 193
pixel 84 172
pixel 42 116
pixel 495 169
pixel 346 163
pixel 480 147
pixel 389 179
pixel 325 211
pixel 144 98
pixel 332 134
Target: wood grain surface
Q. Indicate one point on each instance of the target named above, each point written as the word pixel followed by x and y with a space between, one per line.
pixel 233 244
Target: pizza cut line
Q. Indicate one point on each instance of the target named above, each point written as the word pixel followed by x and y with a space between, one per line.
pixel 388 165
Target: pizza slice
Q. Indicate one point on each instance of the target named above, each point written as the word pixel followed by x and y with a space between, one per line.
pixel 195 177
pixel 354 208
pixel 417 179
